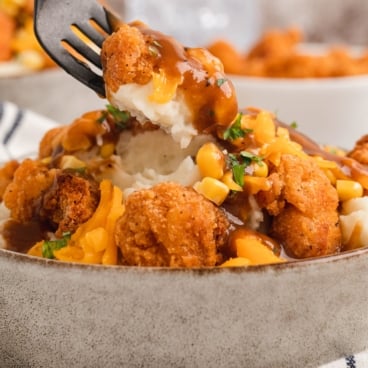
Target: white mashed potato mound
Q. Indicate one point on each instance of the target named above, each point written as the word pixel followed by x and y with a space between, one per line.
pixel 174 116
pixel 353 220
pixel 153 157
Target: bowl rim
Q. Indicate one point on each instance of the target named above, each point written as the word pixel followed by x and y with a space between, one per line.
pixel 293 264
pixel 333 82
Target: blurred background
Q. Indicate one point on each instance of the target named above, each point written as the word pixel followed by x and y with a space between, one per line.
pixel 242 21
pixel 193 22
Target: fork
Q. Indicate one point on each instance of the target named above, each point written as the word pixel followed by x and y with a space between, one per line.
pixel 72 33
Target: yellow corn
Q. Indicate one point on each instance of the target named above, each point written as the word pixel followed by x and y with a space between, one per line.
pixel 264 129
pixel 260 169
pixel 229 181
pixel 348 189
pixel 212 189
pixel 71 162
pixel 210 161
pixel 107 150
pixel 254 184
pixel 282 132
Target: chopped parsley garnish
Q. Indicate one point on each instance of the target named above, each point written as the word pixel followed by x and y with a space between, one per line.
pixel 220 81
pixel 121 117
pixel 238 169
pixel 49 246
pixel 238 164
pixel 248 158
pixel 294 125
pixel 235 130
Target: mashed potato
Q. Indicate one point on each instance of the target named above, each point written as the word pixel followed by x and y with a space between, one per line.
pixel 183 91
pixel 153 157
pixel 174 116
pixel 353 220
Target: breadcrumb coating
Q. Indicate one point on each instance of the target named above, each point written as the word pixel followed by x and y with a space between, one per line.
pixel 23 194
pixel 69 202
pixel 171 225
pixel 304 205
pixel 360 150
pixel 126 57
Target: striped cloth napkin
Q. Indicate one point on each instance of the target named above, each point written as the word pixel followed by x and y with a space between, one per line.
pixel 20 131
pixel 359 360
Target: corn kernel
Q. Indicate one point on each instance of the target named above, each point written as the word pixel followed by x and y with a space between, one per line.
pixel 71 162
pixel 229 181
pixel 107 150
pixel 210 161
pixel 260 169
pixel 282 132
pixel 254 184
pixel 264 129
pixel 348 189
pixel 214 190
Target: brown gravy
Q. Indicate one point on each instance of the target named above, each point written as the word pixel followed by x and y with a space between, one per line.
pixel 20 237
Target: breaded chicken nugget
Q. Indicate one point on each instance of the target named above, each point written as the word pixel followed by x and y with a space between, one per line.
pixel 6 175
pixel 21 196
pixel 171 225
pixel 127 57
pixel 69 202
pixel 306 221
pixel 360 151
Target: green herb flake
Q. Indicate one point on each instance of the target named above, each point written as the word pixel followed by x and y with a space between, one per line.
pixel 238 174
pixel 220 81
pixel 235 130
pixel 294 125
pixel 248 158
pixel 49 246
pixel 102 118
pixel 120 117
pixel 237 169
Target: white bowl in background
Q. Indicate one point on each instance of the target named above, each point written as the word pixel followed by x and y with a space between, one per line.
pixel 329 110
pixel 51 93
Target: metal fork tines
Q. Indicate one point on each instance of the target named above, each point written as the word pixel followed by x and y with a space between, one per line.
pixel 72 33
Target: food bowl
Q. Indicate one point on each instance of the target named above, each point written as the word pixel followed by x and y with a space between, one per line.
pixel 327 109
pixel 298 314
pixel 62 314
pixel 51 93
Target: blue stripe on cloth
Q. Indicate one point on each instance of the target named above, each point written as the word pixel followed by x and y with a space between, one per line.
pixel 350 361
pixel 14 126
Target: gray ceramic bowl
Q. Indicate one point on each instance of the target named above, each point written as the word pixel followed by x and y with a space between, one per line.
pixel 51 93
pixel 301 314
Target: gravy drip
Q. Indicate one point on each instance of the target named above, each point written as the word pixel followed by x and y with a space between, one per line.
pixel 20 237
pixel 208 93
